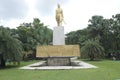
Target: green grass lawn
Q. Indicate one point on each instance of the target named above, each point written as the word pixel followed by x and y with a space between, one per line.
pixel 108 70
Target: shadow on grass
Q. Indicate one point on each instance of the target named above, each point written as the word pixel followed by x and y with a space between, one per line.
pixel 9 67
pixel 88 60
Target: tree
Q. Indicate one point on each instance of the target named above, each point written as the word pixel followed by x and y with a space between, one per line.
pixel 95 27
pixel 33 34
pixel 106 31
pixel 111 34
pixel 9 47
pixel 101 29
pixel 116 31
pixel 92 48
pixel 72 38
pixel 76 37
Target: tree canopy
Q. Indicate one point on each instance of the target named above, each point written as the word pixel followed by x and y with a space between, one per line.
pixel 14 43
pixel 10 47
pixel 106 31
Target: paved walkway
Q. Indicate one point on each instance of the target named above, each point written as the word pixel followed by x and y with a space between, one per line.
pixel 40 65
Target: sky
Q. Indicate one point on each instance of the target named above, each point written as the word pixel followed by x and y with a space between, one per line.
pixel 76 12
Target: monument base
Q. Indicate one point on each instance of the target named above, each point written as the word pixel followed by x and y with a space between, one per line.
pixel 58 36
pixel 58 61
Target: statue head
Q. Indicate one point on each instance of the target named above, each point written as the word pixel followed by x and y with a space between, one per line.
pixel 58 5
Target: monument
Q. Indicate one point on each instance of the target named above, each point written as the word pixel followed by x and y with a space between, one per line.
pixel 59 29
pixel 58 54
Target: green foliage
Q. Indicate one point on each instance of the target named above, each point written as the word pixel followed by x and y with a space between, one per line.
pixel 107 31
pixel 71 38
pixel 95 28
pixel 92 49
pixel 33 34
pixel 10 47
pixel 26 36
pixel 76 37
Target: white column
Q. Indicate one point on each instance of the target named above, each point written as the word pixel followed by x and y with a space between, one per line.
pixel 58 36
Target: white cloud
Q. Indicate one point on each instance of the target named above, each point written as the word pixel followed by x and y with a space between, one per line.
pixel 76 12
pixel 10 9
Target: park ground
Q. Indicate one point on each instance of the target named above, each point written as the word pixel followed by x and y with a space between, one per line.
pixel 107 70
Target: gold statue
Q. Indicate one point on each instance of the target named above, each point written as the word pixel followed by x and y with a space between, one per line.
pixel 59 15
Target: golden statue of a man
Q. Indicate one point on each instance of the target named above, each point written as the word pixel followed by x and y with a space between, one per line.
pixel 59 15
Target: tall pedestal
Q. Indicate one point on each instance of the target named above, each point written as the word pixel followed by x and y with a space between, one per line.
pixel 58 36
pixel 58 39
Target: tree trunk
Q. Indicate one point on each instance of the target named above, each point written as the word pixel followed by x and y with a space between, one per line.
pixel 92 57
pixel 2 63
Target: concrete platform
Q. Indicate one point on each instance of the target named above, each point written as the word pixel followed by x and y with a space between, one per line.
pixel 75 65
